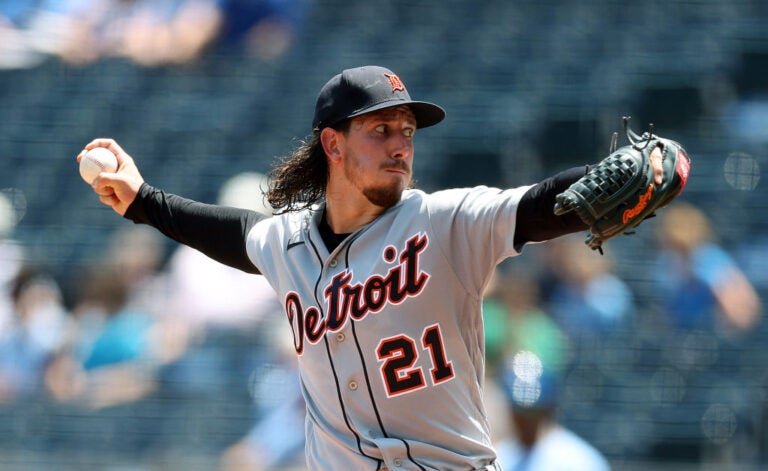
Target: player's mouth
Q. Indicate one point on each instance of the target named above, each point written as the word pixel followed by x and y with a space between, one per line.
pixel 401 168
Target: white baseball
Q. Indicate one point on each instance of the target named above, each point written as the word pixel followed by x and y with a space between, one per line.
pixel 95 161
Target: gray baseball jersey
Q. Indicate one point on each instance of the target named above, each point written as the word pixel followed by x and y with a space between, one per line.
pixel 388 327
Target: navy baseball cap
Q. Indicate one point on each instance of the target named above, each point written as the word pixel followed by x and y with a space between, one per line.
pixel 362 90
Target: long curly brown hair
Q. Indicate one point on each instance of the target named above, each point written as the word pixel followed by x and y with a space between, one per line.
pixel 298 180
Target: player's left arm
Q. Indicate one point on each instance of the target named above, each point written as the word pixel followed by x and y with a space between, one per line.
pixel 535 220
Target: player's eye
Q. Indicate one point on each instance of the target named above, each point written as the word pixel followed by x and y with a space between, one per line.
pixel 381 128
pixel 408 132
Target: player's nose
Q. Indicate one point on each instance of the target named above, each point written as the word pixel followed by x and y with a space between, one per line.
pixel 401 147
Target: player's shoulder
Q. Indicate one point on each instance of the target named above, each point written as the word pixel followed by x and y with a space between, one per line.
pixel 480 195
pixel 445 194
pixel 284 224
pixel 442 197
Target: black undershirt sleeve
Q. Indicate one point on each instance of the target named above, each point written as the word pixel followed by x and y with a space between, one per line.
pixel 220 232
pixel 217 231
pixel 536 222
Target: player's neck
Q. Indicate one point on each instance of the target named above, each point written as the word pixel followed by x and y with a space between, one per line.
pixel 330 238
pixel 346 214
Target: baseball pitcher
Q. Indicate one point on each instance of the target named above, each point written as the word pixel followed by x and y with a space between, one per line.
pixel 381 283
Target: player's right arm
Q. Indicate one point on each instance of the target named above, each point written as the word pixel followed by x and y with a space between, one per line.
pixel 119 189
pixel 217 231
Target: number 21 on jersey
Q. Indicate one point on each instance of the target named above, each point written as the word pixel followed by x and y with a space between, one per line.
pixel 398 356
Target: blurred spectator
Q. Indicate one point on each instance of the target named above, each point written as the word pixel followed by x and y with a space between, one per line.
pixel 138 254
pixel 495 323
pixel 215 311
pixel 110 356
pixel 530 327
pixel 701 285
pixel 276 440
pixel 37 333
pixel 120 334
pixel 587 296
pixel 11 260
pixel 524 326
pixel 118 343
pixel 72 30
pixel 540 442
pixel 149 32
pixel 159 32
pixel 264 29
pixel 15 49
pixel 204 293
pixel 208 297
pixel 66 28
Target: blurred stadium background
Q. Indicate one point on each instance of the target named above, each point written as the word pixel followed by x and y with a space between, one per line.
pixel 199 91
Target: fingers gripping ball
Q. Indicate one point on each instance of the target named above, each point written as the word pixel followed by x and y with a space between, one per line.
pixel 95 161
pixel 619 193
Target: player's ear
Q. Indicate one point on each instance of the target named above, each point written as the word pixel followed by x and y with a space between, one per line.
pixel 331 141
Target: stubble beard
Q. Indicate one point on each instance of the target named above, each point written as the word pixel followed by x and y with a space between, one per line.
pixel 384 197
pixel 387 196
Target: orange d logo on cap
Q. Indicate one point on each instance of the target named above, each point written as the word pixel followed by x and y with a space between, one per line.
pixel 397 84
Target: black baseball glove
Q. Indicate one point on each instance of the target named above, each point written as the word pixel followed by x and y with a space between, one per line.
pixel 619 192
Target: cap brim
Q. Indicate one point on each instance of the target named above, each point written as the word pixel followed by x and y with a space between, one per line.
pixel 427 114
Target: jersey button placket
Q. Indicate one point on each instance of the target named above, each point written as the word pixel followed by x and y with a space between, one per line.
pixel 340 337
pixel 333 263
pixel 352 385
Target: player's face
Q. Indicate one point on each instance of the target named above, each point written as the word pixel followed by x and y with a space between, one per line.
pixel 379 154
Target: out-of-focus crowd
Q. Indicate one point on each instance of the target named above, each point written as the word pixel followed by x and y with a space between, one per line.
pixel 146 325
pixel 574 332
pixel 147 32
